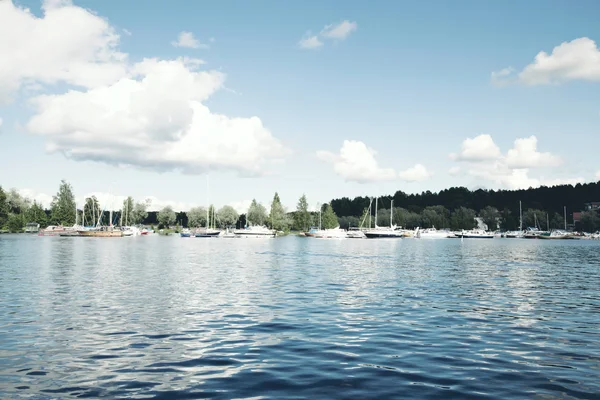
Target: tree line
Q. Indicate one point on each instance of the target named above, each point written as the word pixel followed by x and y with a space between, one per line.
pixel 454 208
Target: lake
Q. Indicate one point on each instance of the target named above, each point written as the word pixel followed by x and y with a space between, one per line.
pixel 169 317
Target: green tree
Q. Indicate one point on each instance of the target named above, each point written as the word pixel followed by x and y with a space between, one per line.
pixel 62 210
pixel 91 211
pixel 364 219
pixel 328 218
pixel 139 212
pixel 534 218
pixel 507 221
pixel 557 221
pixel 590 221
pixel 435 217
pixel 196 217
pixel 127 211
pixel 17 204
pixel 36 213
pixel 257 213
pixel 15 223
pixel 277 218
pixel 227 216
pixel 166 216
pixel 490 216
pixel 302 216
pixel 3 208
pixel 463 218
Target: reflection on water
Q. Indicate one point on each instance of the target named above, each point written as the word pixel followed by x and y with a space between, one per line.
pixel 164 317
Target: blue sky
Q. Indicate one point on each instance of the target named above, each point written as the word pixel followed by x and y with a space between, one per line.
pixel 411 80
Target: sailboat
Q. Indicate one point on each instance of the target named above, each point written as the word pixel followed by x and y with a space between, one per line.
pixel 380 232
pixel 208 231
pixel 102 231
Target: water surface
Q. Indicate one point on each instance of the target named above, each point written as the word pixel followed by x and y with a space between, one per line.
pixel 166 317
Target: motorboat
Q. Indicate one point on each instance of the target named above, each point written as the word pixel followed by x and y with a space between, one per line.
pixel 430 233
pixel 475 234
pixel 335 233
pixel 255 232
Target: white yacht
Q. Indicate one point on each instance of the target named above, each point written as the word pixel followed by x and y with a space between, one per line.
pixel 430 233
pixel 335 233
pixel 475 234
pixel 255 232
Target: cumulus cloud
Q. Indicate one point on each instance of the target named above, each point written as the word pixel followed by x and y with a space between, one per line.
pixel 356 163
pixel 338 32
pixel 148 114
pixel 310 42
pixel 479 148
pixel 524 154
pixel 187 40
pixel 154 119
pixel 510 171
pixel 417 173
pixel 578 59
pixel 68 44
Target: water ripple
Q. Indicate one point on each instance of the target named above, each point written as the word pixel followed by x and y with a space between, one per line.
pixel 162 318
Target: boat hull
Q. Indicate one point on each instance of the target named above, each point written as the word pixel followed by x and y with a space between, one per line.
pixel 373 235
pixel 207 235
pixel 101 233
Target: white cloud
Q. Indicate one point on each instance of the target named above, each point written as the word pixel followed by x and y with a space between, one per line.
pixel 187 39
pixel 417 173
pixel 331 32
pixel 42 198
pixel 454 171
pixel 154 119
pixel 127 32
pixel 340 31
pixel 502 77
pixel 241 206
pixel 0 124
pixel 480 148
pixel 578 59
pixel 311 42
pixel 598 175
pixel 68 44
pixel 510 171
pixel 524 154
pixel 356 162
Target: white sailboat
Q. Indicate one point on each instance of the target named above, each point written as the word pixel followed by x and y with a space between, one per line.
pixel 380 232
pixel 208 231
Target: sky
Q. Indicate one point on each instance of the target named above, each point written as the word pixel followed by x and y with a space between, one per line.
pixel 223 102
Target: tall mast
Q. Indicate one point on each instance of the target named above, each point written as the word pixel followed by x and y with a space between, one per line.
pixel 392 213
pixel 520 216
pixel 207 204
pixel 565 211
pixel 370 212
pixel 375 212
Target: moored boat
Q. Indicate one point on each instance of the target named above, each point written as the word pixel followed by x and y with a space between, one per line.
pixel 255 232
pixel 475 234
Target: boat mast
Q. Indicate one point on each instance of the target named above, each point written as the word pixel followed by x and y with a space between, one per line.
pixel 391 213
pixel 565 212
pixel 375 212
pixel 520 217
pixel 547 223
pixel 207 204
pixel 370 212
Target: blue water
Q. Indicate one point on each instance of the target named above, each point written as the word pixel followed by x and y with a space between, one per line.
pixel 169 317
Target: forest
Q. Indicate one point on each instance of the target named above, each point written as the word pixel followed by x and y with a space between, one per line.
pixel 542 206
pixel 454 208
